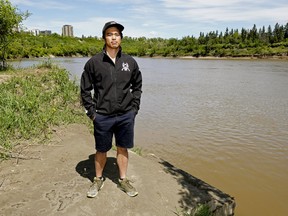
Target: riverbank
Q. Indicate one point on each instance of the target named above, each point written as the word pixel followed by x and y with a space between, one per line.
pixel 237 58
pixel 52 179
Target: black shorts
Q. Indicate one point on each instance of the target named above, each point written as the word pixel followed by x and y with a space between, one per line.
pixel 121 126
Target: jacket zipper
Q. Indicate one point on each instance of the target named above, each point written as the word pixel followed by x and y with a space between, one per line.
pixel 114 80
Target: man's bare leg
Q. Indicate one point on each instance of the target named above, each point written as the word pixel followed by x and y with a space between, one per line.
pixel 100 161
pixel 98 182
pixel 122 161
pixel 124 183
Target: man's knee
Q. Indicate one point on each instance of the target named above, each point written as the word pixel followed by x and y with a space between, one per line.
pixel 122 150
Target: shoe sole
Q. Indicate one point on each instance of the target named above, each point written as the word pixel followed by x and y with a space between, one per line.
pixel 132 195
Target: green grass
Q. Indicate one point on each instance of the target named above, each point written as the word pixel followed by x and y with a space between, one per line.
pixel 35 100
pixel 201 210
pixel 137 150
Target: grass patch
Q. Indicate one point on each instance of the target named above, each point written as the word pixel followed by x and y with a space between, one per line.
pixel 137 150
pixel 201 210
pixel 34 100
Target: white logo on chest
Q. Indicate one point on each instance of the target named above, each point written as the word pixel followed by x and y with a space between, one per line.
pixel 125 67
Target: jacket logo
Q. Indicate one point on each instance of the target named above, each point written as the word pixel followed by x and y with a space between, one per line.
pixel 125 67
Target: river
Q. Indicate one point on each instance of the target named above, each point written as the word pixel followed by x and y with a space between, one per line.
pixel 223 121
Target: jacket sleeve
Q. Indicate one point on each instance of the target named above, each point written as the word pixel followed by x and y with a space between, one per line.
pixel 86 86
pixel 136 87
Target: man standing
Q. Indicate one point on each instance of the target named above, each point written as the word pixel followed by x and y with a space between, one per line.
pixel 117 82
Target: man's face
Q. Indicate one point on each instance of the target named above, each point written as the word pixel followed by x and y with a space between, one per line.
pixel 113 38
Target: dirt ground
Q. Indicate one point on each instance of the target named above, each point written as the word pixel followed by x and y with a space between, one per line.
pixel 53 179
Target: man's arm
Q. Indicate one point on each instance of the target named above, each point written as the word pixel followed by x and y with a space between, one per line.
pixel 86 86
pixel 136 87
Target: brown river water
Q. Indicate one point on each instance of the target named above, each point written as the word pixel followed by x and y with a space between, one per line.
pixel 223 121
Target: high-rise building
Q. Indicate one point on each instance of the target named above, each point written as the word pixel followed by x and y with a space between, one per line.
pixel 67 30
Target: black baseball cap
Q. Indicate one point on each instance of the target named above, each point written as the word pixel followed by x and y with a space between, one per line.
pixel 112 24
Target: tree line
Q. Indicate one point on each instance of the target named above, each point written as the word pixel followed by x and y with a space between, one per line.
pixel 232 43
pixel 252 42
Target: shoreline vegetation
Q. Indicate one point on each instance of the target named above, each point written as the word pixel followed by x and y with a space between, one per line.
pixel 263 43
pixel 34 101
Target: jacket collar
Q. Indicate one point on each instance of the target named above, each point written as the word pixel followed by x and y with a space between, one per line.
pixel 118 54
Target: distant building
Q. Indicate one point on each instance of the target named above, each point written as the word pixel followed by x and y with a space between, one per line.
pixel 35 32
pixel 46 32
pixel 67 30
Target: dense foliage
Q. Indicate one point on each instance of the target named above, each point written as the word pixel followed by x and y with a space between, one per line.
pixel 232 43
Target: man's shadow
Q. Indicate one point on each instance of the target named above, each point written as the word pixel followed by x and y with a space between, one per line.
pixel 86 169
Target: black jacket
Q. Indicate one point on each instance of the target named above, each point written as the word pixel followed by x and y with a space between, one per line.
pixel 117 87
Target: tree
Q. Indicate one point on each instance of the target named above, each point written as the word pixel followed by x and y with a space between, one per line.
pixel 10 20
pixel 243 35
pixel 263 35
pixel 278 33
pixel 253 35
pixel 270 34
pixel 286 31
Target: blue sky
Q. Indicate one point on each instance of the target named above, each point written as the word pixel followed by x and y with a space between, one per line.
pixel 148 18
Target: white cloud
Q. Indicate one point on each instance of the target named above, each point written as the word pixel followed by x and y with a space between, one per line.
pixel 225 10
pixel 43 5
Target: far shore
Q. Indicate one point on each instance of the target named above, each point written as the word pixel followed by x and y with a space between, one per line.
pixel 224 58
pixel 239 58
pixel 283 57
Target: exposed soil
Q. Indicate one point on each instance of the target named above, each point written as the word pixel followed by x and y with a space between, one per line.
pixel 53 179
pixel 4 78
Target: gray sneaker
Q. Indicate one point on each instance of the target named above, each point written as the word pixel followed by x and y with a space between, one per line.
pixel 127 187
pixel 96 186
